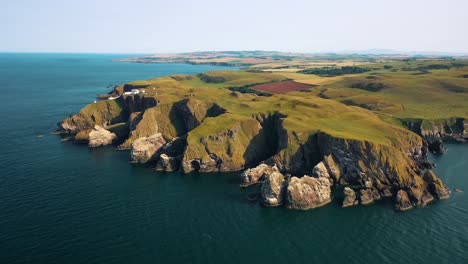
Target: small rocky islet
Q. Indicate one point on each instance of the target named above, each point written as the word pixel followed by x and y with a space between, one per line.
pixel 196 123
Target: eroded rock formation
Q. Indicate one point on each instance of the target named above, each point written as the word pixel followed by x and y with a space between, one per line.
pixel 146 149
pixel 308 192
pixel 272 190
pixel 350 198
pixel 253 175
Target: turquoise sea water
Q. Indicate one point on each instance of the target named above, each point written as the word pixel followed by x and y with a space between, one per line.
pixel 65 203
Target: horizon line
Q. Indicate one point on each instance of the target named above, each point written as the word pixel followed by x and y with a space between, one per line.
pixel 349 52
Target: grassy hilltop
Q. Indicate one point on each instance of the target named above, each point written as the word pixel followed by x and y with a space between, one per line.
pixel 364 121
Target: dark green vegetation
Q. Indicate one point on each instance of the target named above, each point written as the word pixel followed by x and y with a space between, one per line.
pixel 247 89
pixel 334 71
pixel 372 87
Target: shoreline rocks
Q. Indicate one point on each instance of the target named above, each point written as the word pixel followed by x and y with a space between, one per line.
pixel 99 136
pixel 436 186
pixel 350 197
pixel 307 192
pixel 167 163
pixel 272 190
pixel 403 202
pixel 253 175
pixel 145 149
pixel 437 147
pixel 366 196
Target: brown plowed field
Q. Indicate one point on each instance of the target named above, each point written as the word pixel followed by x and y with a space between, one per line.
pixel 282 87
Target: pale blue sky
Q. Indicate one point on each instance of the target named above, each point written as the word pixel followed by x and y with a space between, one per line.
pixel 145 26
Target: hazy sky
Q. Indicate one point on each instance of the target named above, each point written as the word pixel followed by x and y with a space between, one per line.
pixel 145 26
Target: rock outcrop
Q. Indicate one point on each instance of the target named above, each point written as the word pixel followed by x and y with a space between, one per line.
pixel 253 175
pixel 95 137
pixel 449 128
pixel 320 170
pixel 403 202
pixel 307 192
pixel 272 190
pixel 349 197
pixel 167 163
pixel 146 149
pixel 436 186
pixel 437 146
pixel 99 136
pixel 366 196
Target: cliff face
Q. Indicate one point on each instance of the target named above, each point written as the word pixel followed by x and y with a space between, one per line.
pixel 232 147
pixel 375 170
pixel 434 131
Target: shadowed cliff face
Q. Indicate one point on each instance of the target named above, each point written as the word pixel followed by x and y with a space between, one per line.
pixel 435 131
pixel 451 128
pixel 196 133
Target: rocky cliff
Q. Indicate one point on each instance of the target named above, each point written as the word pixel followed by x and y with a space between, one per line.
pixel 438 130
pixel 175 126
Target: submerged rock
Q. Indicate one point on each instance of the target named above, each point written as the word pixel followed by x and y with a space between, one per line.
pixel 308 192
pixel 145 149
pixel 402 201
pixel 99 136
pixel 350 197
pixel 272 190
pixel 253 175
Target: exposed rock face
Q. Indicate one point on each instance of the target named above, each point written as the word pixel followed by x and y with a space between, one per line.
pixel 134 119
pixel 403 202
pixel 366 196
pixel 272 190
pixel 437 146
pixel 449 128
pixel 241 143
pixel 320 170
pixel 141 125
pixel 386 192
pixel 166 163
pixel 307 192
pixel 375 194
pixel 253 175
pixel 350 197
pixel 436 186
pixel 98 136
pixel 145 149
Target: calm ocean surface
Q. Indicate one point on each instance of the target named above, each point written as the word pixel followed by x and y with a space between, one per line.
pixel 65 203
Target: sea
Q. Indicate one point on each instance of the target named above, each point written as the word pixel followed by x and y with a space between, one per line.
pixel 65 203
